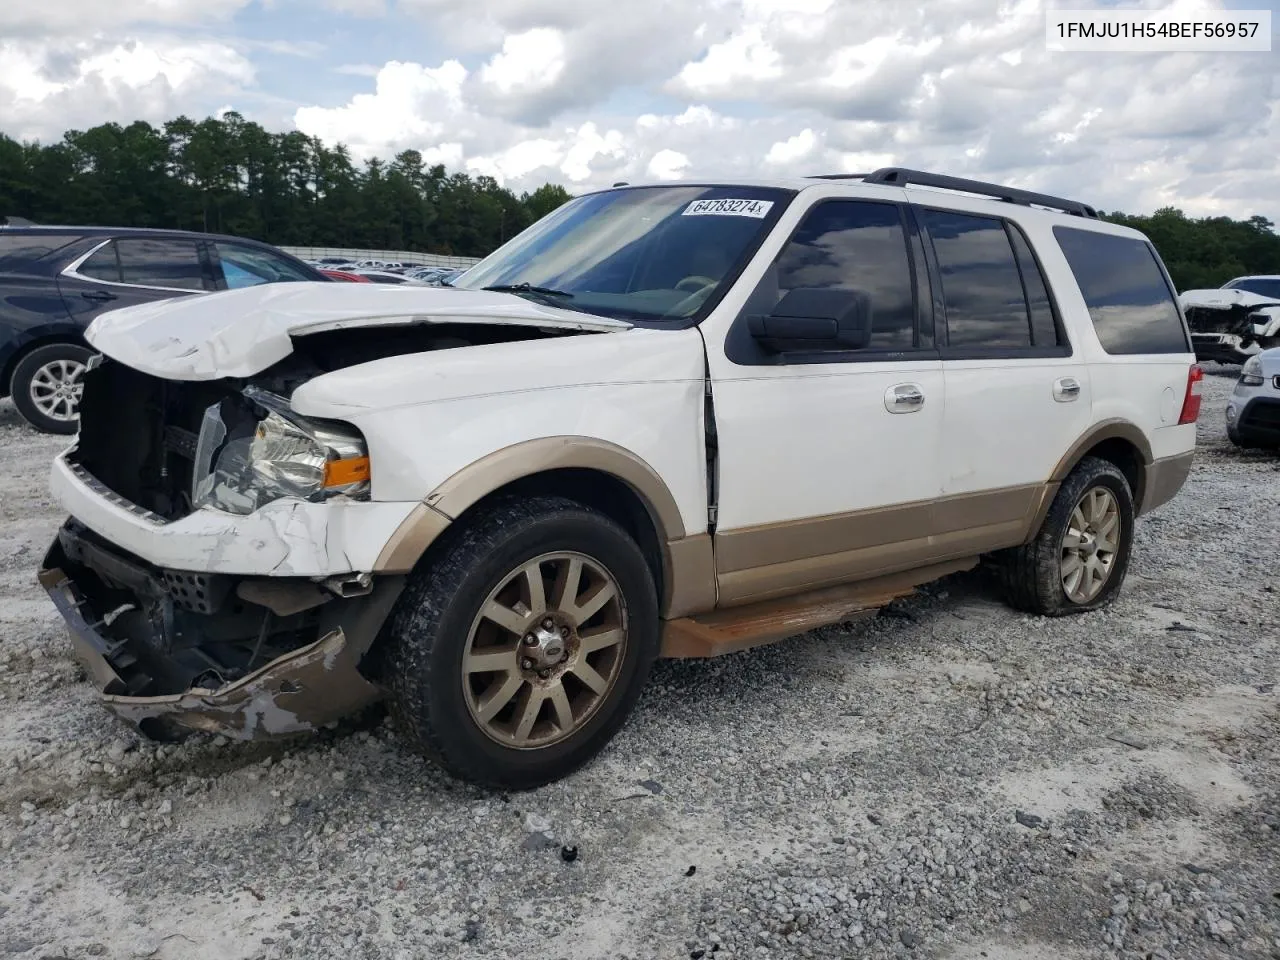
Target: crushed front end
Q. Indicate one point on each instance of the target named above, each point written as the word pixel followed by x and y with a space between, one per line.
pixel 204 586
pixel 174 652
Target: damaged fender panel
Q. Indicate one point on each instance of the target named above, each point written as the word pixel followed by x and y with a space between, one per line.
pixel 296 692
pixel 284 538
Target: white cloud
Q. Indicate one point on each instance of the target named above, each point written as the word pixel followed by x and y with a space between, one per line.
pixel 744 57
pixel 668 165
pixel 409 108
pixel 793 148
pixel 80 84
pixel 529 61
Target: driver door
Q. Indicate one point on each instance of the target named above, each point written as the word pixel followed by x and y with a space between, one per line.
pixel 829 462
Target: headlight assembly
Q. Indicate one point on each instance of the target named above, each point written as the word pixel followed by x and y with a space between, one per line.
pixel 244 461
pixel 1251 372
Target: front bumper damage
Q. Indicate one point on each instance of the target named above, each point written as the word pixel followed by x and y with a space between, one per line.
pixel 144 636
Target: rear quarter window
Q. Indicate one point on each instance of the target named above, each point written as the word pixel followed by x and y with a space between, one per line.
pixel 1130 302
pixel 22 251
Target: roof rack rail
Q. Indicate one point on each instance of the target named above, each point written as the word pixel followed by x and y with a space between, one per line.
pixel 901 177
pixel 838 176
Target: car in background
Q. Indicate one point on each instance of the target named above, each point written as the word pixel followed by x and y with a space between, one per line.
pixel 54 280
pixel 346 275
pixel 384 276
pixel 1253 409
pixel 1236 321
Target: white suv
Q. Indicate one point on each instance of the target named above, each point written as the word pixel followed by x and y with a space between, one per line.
pixel 665 420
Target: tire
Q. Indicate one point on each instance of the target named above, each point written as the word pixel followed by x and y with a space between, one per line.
pixel 1035 575
pixel 46 386
pixel 437 630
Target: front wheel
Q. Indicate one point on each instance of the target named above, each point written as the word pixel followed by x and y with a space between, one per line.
pixel 1080 555
pixel 47 384
pixel 519 649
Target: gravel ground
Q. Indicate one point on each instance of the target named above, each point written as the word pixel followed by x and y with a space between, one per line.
pixel 950 780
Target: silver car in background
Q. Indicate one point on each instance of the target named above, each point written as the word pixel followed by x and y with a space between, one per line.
pixel 1253 409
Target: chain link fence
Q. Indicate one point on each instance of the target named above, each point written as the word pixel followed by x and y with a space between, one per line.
pixel 390 256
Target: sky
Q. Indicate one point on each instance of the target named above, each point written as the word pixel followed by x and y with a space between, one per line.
pixel 585 93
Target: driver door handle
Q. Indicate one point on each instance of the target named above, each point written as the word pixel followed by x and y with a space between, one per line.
pixel 1066 389
pixel 100 296
pixel 904 398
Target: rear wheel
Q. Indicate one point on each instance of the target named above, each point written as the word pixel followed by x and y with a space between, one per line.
pixel 1080 556
pixel 520 648
pixel 47 384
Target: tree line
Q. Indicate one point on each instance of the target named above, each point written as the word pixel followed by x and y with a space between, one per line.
pixel 229 175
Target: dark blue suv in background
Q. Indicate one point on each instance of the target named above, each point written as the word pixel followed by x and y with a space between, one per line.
pixel 55 280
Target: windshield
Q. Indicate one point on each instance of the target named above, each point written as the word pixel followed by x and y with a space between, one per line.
pixel 1263 286
pixel 646 254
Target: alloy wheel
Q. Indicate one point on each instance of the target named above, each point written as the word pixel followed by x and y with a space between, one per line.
pixel 1090 545
pixel 545 650
pixel 56 388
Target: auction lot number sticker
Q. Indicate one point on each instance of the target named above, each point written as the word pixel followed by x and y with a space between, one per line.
pixel 726 207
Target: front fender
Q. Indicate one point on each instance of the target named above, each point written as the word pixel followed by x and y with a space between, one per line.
pixel 630 404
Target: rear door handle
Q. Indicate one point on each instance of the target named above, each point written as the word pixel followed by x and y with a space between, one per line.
pixel 904 398
pixel 1066 389
pixel 98 295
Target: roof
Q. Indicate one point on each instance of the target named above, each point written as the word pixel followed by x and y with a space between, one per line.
pixel 99 231
pixel 918 182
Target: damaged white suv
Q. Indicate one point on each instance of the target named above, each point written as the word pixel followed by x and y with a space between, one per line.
pixel 667 420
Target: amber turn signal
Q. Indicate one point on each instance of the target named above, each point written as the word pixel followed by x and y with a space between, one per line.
pixel 341 473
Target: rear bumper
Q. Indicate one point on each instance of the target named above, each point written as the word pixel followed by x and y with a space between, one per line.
pixel 1165 477
pixel 284 538
pixel 298 690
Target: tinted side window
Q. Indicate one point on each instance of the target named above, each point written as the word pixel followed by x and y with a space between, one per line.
pixel 1044 329
pixel 981 284
pixel 103 265
pixel 859 245
pixel 20 251
pixel 1132 307
pixel 160 263
pixel 248 266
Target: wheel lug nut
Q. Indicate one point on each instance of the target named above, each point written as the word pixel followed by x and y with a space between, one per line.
pixel 530 640
pixel 526 664
pixel 544 674
pixel 548 623
pixel 564 632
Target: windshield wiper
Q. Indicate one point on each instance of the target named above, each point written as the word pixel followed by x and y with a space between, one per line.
pixel 529 288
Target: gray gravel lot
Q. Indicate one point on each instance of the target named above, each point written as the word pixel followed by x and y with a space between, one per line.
pixel 953 780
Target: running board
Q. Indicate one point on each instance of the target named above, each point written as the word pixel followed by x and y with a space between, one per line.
pixel 740 628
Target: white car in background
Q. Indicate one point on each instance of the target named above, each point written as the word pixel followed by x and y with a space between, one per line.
pixel 1237 320
pixel 1253 409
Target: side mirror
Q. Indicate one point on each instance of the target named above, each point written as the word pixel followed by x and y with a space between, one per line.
pixel 811 319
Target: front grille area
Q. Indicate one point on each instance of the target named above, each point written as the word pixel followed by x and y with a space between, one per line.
pixel 1261 417
pixel 138 436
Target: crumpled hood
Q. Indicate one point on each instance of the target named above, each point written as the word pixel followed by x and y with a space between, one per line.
pixel 1225 299
pixel 237 333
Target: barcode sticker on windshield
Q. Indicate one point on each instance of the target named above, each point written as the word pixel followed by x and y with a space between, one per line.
pixel 728 208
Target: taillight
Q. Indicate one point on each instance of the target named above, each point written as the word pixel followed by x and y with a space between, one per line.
pixel 1191 401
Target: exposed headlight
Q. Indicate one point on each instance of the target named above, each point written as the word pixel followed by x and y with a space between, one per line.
pixel 243 463
pixel 1251 372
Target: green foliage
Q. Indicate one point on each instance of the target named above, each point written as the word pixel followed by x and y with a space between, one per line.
pixel 228 175
pixel 1207 252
